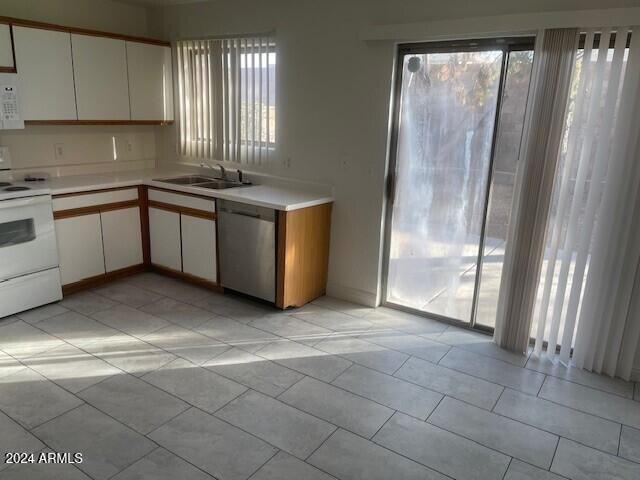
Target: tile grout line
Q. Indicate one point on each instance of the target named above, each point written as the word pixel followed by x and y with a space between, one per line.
pixel 555 451
pixel 504 475
pixel 326 308
pixel 495 404
pixel 364 332
pixel 536 427
pixel 452 433
pixel 436 407
pixel 336 428
pixel 619 441
pixel 158 368
pixel 237 397
pixel 292 385
pixel 194 406
pixel 398 369
pixel 267 360
pixel 482 444
pixel 263 464
pixel 133 463
pixel 541 385
pixel 107 414
pixel 382 426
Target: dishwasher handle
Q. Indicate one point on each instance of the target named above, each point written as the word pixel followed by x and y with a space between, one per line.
pixel 244 214
pixel 252 211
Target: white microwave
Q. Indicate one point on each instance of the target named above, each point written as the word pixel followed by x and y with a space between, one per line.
pixel 10 110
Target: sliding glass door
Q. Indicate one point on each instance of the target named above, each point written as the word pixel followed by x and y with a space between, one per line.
pixel 447 141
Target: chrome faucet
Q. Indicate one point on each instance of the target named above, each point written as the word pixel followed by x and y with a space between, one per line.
pixel 223 171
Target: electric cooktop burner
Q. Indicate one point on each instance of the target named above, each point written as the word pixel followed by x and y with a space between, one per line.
pixel 4 184
pixel 16 189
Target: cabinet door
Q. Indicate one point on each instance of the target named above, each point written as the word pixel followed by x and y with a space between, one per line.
pixel 100 72
pixel 164 230
pixel 150 81
pixel 45 74
pixel 122 238
pixel 6 47
pixel 80 247
pixel 199 247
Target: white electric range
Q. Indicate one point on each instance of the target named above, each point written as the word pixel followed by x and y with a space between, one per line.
pixel 29 273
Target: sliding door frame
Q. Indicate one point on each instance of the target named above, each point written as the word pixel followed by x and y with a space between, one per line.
pixel 506 45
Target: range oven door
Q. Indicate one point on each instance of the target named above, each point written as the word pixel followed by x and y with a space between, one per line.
pixel 27 236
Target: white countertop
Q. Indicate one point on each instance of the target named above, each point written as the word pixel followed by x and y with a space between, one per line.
pixel 276 197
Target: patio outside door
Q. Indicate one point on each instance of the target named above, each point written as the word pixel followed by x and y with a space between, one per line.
pixel 459 110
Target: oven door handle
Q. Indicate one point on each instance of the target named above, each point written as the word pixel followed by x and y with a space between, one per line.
pixel 25 202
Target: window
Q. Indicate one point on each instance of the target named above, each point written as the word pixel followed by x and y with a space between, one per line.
pixel 227 99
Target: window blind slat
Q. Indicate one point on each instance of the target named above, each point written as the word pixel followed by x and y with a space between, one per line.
pixel 194 101
pixel 238 105
pixel 181 96
pixel 245 80
pixel 253 100
pixel 260 100
pixel 268 92
pixel 225 100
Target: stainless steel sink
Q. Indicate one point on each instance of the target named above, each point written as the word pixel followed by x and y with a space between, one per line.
pixel 214 183
pixel 186 180
pixel 219 183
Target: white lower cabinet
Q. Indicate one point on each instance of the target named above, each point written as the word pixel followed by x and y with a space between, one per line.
pixel 164 233
pixel 199 247
pixel 108 240
pixel 80 247
pixel 122 238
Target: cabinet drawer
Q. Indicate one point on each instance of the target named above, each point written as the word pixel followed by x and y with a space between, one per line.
pixel 93 199
pixel 186 201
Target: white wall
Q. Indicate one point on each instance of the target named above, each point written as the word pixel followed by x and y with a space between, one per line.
pixel 87 149
pixel 108 15
pixel 334 92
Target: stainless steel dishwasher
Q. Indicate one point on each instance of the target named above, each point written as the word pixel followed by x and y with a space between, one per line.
pixel 247 248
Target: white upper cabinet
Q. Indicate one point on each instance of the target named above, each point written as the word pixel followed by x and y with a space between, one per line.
pixel 100 71
pixel 150 83
pixel 96 78
pixel 6 48
pixel 45 74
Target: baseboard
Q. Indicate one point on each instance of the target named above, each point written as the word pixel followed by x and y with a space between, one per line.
pixel 93 282
pixel 187 278
pixel 99 280
pixel 351 294
pixel 635 374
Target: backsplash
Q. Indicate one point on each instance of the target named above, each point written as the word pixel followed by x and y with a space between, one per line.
pixel 60 150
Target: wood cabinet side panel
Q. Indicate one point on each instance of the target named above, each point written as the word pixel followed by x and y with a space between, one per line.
pixel 303 254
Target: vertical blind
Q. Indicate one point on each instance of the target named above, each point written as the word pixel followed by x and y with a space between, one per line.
pixel 549 91
pixel 594 164
pixel 227 100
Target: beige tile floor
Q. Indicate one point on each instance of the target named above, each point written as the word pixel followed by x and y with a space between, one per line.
pixel 151 378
